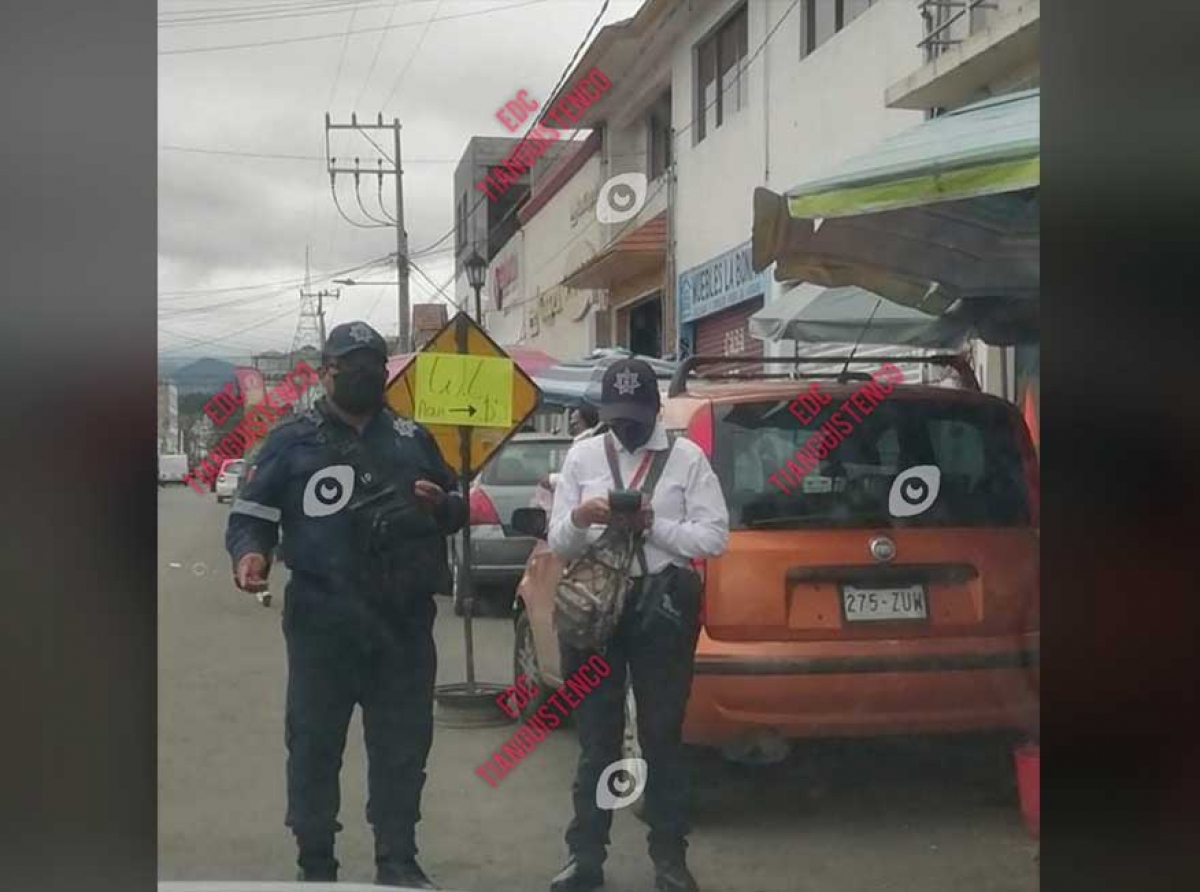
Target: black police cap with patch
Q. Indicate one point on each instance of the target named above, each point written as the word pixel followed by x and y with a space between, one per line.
pixel 629 390
pixel 354 336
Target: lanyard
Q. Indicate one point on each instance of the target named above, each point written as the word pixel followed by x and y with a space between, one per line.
pixel 641 471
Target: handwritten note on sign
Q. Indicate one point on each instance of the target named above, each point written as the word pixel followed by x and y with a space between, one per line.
pixel 454 389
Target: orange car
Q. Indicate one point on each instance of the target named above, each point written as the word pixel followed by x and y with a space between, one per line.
pixel 837 610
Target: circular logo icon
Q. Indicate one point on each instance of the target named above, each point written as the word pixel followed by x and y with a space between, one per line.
pixel 328 490
pixel 621 783
pixel 914 491
pixel 621 197
pixel 882 548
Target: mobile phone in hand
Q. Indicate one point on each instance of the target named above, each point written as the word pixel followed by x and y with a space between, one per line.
pixel 624 501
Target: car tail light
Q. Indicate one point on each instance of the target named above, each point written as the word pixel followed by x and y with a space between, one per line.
pixel 700 429
pixel 482 510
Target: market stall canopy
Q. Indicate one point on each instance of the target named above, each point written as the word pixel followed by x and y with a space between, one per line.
pixel 944 211
pixel 817 315
pixel 572 383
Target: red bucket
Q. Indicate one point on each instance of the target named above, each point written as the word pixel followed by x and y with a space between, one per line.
pixel 1029 785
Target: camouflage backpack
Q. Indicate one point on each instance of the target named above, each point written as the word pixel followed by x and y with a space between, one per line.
pixel 590 596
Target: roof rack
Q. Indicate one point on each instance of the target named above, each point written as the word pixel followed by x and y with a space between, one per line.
pixel 688 366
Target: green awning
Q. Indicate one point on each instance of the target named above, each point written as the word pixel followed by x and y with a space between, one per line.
pixel 945 211
pixel 983 149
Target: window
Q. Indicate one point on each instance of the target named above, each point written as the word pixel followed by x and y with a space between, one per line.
pixel 821 19
pixel 525 463
pixel 658 128
pixel 721 87
pixel 982 475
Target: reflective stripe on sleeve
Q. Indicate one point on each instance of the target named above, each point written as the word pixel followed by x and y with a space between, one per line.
pixel 253 509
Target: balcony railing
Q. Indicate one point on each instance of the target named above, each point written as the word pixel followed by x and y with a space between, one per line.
pixel 940 18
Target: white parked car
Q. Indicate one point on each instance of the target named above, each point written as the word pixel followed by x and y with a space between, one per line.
pixel 227 479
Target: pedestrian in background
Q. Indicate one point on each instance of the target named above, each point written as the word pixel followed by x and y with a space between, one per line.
pixel 365 501
pixel 583 422
pixel 684 517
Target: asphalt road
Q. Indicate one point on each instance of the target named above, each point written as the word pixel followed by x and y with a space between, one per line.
pixel 837 816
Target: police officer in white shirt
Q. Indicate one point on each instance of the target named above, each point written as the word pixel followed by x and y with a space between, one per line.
pixel 686 517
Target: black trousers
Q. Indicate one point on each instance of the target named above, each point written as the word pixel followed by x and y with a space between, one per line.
pixel 390 672
pixel 658 650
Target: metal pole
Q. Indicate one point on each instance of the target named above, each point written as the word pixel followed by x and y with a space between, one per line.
pixel 401 246
pixel 464 482
pixel 478 308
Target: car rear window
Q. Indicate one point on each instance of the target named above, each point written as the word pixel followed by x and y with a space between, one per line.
pixel 972 445
pixel 524 464
pixel 235 467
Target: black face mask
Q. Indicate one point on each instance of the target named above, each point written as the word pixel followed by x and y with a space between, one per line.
pixel 629 433
pixel 359 391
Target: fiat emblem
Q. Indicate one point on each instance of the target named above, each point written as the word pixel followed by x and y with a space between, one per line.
pixel 882 548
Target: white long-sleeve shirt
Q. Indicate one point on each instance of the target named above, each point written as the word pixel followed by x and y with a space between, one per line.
pixel 691 519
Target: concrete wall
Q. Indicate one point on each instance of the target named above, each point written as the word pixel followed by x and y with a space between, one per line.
pixel 803 116
pixel 560 237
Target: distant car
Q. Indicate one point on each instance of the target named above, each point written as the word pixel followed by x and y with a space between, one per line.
pixel 227 480
pixel 836 610
pixel 507 482
pixel 172 469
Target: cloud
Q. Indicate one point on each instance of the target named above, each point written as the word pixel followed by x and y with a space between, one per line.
pixel 227 220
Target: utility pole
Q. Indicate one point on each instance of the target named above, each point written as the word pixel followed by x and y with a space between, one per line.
pixel 403 310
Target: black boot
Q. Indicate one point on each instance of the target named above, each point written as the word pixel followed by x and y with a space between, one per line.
pixel 578 876
pixel 672 875
pixel 396 859
pixel 406 873
pixel 317 864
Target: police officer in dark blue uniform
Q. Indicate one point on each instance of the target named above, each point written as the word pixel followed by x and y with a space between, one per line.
pixel 365 502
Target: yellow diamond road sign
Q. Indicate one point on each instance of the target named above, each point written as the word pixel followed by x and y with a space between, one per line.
pixel 466 390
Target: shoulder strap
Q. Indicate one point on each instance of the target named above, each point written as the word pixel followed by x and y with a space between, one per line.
pixel 648 485
pixel 610 452
pixel 660 462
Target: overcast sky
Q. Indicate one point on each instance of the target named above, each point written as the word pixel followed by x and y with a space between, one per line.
pixel 230 221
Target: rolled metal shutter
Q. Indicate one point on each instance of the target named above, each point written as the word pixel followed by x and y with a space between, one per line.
pixel 727 333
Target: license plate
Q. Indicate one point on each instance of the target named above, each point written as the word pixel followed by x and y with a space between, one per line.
pixel 876 604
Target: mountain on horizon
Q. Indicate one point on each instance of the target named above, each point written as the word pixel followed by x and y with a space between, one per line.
pixel 201 376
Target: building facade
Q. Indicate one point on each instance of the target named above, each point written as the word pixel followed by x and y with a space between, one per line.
pixel 639 236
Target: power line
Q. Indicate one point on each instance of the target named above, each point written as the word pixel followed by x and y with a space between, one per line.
pixel 403 71
pixel 562 78
pixel 288 40
pixel 341 59
pixel 284 157
pixel 362 207
pixel 378 49
pixel 249 15
pixel 225 337
pixel 377 261
pixel 662 183
pixel 337 203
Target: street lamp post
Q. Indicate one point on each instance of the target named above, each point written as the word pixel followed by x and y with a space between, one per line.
pixel 476 268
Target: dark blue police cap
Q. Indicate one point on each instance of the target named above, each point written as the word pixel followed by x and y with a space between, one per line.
pixel 354 336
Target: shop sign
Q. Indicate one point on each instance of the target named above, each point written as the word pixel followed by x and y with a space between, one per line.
pixel 725 281
pixel 550 302
pixel 506 272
